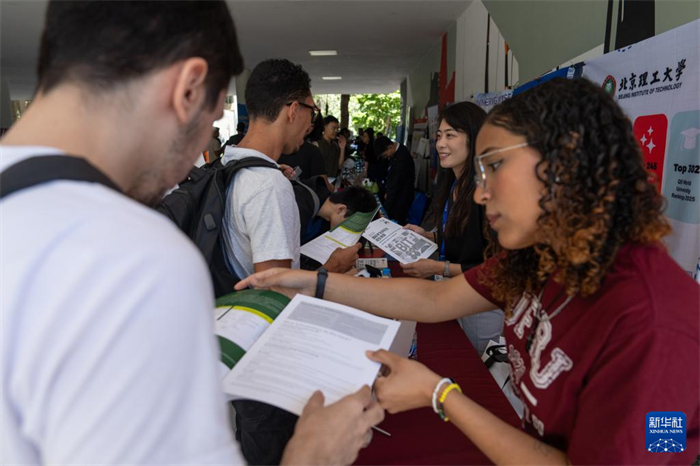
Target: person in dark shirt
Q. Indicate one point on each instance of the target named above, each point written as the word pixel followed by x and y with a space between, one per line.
pixel 358 141
pixel 308 158
pixel 400 178
pixel 238 137
pixel 332 149
pixel 460 220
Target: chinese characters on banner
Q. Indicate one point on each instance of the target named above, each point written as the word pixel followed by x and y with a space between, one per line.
pixel 657 83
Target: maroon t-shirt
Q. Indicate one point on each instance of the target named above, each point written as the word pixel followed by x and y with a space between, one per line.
pixel 595 370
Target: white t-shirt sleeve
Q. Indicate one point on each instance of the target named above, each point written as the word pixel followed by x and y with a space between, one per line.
pixel 139 384
pixel 272 221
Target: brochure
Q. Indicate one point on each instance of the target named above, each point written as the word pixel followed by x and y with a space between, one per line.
pixel 344 235
pixel 405 245
pixel 281 352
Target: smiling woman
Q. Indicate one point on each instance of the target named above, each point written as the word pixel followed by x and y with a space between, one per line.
pixel 460 221
pixel 602 325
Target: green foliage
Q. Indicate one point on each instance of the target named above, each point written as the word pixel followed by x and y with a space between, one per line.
pixel 371 110
pixel 365 110
pixel 329 104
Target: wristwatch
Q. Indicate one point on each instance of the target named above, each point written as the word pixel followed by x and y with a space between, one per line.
pixel 446 272
pixel 321 277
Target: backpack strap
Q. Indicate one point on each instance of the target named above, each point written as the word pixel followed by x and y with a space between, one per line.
pixel 312 194
pixel 233 166
pixel 42 169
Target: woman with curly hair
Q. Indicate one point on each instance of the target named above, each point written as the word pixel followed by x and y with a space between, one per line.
pixel 601 323
pixel 460 221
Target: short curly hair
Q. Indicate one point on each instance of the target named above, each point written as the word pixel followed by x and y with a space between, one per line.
pixel 104 44
pixel 599 195
pixel 272 84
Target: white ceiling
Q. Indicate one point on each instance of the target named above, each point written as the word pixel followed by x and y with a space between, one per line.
pixel 378 42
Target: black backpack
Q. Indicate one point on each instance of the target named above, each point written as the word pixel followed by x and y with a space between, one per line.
pixel 197 208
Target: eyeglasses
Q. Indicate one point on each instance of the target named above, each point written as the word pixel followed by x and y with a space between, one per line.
pixel 314 109
pixel 480 170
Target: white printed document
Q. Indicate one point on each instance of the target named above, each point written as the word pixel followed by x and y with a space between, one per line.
pixel 312 345
pixel 344 235
pixel 405 245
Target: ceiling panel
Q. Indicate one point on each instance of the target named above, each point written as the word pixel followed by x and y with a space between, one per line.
pixel 378 42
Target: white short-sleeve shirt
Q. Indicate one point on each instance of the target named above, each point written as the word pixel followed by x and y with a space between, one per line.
pixel 261 221
pixel 108 353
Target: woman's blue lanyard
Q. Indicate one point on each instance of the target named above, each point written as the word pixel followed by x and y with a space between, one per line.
pixel 445 213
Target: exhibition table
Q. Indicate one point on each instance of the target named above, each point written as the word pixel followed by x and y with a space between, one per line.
pixel 420 436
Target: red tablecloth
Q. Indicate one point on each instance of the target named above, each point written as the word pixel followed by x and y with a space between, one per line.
pixel 420 436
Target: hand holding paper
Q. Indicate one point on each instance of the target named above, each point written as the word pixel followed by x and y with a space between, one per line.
pixel 408 385
pixel 344 235
pixel 343 259
pixel 334 434
pixel 405 245
pixel 312 345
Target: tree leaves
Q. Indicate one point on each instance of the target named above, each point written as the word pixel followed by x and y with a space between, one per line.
pixel 372 110
pixel 366 110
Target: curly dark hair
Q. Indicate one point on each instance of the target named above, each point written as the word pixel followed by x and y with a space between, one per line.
pixel 274 83
pixel 465 117
pixel 599 195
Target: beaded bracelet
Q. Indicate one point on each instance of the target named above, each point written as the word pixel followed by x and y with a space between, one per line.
pixel 443 397
pixel 446 380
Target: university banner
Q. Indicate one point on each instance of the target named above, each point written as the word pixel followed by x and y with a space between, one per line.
pixel 489 100
pixel 656 82
pixel 570 72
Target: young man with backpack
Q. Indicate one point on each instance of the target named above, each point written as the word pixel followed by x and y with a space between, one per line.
pixel 261 221
pixel 108 353
pixel 261 225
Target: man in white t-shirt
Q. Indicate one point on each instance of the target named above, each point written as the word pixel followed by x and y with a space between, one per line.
pixel 261 220
pixel 107 346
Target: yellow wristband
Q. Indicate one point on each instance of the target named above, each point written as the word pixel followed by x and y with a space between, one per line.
pixel 443 397
pixel 450 387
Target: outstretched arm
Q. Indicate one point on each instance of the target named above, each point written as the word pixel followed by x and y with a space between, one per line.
pixel 398 298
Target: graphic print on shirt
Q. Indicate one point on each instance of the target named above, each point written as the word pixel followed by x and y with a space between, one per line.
pixel 517 365
pixel 525 301
pixel 532 304
pixel 559 361
pixel 532 419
